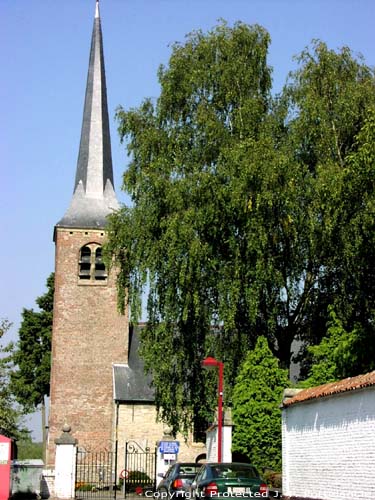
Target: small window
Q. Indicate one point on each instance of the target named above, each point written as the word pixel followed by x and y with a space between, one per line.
pixel 91 265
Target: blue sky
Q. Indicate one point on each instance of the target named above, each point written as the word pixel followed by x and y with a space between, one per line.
pixel 44 50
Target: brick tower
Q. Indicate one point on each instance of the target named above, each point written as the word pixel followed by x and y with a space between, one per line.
pixel 89 336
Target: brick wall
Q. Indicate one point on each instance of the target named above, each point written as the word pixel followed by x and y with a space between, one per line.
pixel 329 447
pixel 88 337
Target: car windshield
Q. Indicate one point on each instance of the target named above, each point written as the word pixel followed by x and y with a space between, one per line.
pixel 234 471
pixel 189 470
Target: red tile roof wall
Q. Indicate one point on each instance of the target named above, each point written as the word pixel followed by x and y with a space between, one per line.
pixel 348 384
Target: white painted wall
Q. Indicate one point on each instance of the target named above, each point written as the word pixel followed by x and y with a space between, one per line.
pixel 65 471
pixel 329 447
pixel 211 443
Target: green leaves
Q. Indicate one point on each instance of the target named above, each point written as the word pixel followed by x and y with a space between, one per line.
pixel 10 416
pixel 329 97
pixel 250 215
pixel 257 396
pixel 31 355
pixel 336 355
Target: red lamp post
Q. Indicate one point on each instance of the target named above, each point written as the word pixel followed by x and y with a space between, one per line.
pixel 213 363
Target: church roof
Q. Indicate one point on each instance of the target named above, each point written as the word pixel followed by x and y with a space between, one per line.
pixel 93 195
pixel 131 383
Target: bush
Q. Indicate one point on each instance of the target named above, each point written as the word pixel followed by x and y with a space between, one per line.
pixel 26 450
pixel 82 486
pixel 272 478
pixel 136 479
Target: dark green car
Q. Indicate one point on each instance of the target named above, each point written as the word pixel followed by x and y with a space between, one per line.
pixel 228 480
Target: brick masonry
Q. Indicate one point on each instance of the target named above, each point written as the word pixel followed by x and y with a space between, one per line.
pixel 89 335
pixel 329 447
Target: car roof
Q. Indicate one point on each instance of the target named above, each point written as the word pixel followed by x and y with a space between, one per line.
pixel 227 464
pixel 190 464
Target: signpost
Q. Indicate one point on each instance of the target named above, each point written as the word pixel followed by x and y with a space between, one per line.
pixel 169 447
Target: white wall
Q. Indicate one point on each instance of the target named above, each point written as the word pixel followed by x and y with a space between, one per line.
pixel 211 443
pixel 329 447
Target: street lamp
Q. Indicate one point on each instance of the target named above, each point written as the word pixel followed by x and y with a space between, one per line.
pixel 214 363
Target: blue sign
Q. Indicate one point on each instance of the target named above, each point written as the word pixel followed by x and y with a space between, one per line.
pixel 169 447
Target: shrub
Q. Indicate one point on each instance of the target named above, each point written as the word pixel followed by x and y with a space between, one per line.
pixel 257 397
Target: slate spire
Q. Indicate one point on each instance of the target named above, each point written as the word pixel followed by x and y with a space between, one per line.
pixel 93 197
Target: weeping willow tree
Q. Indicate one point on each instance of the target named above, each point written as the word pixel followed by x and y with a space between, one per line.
pixel 233 201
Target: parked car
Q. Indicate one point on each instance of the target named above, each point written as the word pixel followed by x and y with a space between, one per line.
pixel 229 479
pixel 176 481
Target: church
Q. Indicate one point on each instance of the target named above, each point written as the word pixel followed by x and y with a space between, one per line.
pixel 98 386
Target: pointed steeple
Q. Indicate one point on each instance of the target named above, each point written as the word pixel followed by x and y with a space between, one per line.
pixel 93 197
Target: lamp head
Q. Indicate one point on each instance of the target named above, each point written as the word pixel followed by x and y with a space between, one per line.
pixel 210 362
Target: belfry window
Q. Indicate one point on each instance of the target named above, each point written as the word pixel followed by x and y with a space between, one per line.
pixel 100 271
pixel 91 265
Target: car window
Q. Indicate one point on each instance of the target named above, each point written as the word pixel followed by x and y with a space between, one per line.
pixel 235 471
pixel 189 469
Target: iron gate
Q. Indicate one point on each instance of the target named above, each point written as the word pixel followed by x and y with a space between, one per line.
pixel 140 469
pixel 95 475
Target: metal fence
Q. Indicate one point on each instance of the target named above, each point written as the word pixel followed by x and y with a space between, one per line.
pixel 95 475
pixel 140 469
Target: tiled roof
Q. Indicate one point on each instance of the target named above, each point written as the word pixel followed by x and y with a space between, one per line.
pixel 348 384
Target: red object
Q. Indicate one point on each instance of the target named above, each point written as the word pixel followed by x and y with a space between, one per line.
pixel 212 362
pixel 139 490
pixel 177 483
pixel 211 489
pixel 124 474
pixel 263 490
pixel 5 463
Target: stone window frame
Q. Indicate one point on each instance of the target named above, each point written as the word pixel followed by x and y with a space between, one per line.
pixel 91 268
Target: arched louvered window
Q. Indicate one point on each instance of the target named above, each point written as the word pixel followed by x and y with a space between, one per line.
pixel 85 263
pixel 91 265
pixel 100 270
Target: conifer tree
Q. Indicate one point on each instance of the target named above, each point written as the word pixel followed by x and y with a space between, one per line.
pixel 31 355
pixel 257 396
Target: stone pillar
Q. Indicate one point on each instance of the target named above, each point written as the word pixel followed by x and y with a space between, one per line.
pixel 65 464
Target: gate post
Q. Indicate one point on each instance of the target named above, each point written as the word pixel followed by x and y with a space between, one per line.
pixel 65 464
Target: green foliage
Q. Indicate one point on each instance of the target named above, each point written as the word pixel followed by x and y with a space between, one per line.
pixel 81 486
pixel 215 93
pixel 257 396
pixel 250 215
pixel 28 450
pixel 31 354
pixel 273 479
pixel 10 417
pixel 329 97
pixel 334 357
pixel 348 347
pixel 137 477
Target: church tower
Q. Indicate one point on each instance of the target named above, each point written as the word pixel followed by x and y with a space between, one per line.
pixel 89 335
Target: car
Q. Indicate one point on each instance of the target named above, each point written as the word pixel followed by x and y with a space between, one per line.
pixel 228 479
pixel 176 481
